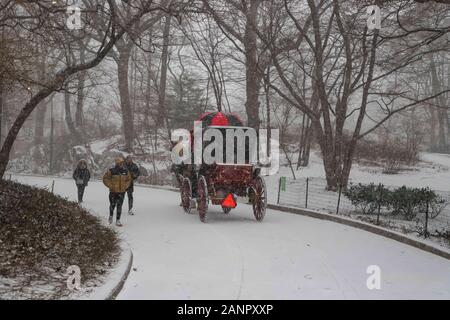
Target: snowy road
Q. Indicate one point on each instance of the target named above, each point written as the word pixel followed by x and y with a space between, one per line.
pixel 233 257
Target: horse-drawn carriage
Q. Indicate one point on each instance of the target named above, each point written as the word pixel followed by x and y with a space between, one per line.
pixel 223 184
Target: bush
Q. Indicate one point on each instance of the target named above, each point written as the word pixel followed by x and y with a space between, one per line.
pixel 407 201
pixel 403 200
pixel 366 198
pixel 443 234
pixel 391 154
pixel 41 234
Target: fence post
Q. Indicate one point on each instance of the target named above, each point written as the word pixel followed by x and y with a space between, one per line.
pixel 380 196
pixel 10 175
pixel 426 220
pixel 307 190
pixel 53 185
pixel 339 198
pixel 279 189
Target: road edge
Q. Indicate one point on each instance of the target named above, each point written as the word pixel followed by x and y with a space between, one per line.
pixel 125 273
pixel 405 239
pixel 116 278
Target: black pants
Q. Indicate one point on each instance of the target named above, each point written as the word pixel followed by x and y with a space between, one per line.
pixel 80 188
pixel 130 191
pixel 116 200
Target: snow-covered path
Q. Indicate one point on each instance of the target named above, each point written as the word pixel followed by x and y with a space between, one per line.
pixel 233 257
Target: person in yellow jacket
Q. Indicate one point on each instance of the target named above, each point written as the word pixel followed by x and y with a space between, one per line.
pixel 118 180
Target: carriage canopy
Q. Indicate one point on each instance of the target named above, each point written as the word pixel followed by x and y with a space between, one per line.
pixel 220 119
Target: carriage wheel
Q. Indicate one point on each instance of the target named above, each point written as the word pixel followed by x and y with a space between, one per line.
pixel 202 198
pixel 259 198
pixel 186 195
pixel 226 210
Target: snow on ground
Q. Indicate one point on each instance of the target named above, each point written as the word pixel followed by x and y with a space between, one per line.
pixel 234 257
pixel 100 146
pixel 433 171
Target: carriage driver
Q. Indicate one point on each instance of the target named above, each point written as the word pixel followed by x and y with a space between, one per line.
pixel 184 170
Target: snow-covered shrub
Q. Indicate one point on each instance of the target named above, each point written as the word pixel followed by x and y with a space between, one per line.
pixel 437 206
pixel 41 235
pixel 366 197
pixel 391 154
pixel 443 234
pixel 404 201
pixel 411 201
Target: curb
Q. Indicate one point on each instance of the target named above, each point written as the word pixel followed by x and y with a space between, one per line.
pixel 428 247
pixel 115 280
pixel 119 286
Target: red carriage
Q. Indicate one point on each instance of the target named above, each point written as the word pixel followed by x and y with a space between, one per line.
pixel 223 184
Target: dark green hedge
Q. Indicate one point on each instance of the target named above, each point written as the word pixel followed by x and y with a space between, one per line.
pixel 405 201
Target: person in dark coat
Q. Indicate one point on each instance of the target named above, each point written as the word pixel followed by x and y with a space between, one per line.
pixel 81 175
pixel 135 173
pixel 118 180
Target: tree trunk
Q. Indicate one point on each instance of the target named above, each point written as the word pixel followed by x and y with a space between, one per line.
pixel 305 142
pixel 148 88
pixel 434 129
pixel 301 142
pixel 40 110
pixel 440 111
pixel 268 121
pixel 252 73
pixel 52 133
pixel 162 114
pixel 307 130
pixel 69 120
pixel 124 92
pixel 79 121
pixel 306 150
pixel 1 112
pixel 39 123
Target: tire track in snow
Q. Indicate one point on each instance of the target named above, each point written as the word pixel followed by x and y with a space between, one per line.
pixel 236 253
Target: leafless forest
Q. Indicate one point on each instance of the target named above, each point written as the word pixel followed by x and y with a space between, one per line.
pixel 317 70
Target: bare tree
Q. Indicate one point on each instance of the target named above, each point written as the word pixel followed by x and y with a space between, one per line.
pixel 245 39
pixel 207 40
pixel 345 72
pixel 121 54
pixel 45 26
pixel 162 107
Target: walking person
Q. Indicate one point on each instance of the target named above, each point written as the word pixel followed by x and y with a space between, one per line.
pixel 135 173
pixel 81 175
pixel 118 180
